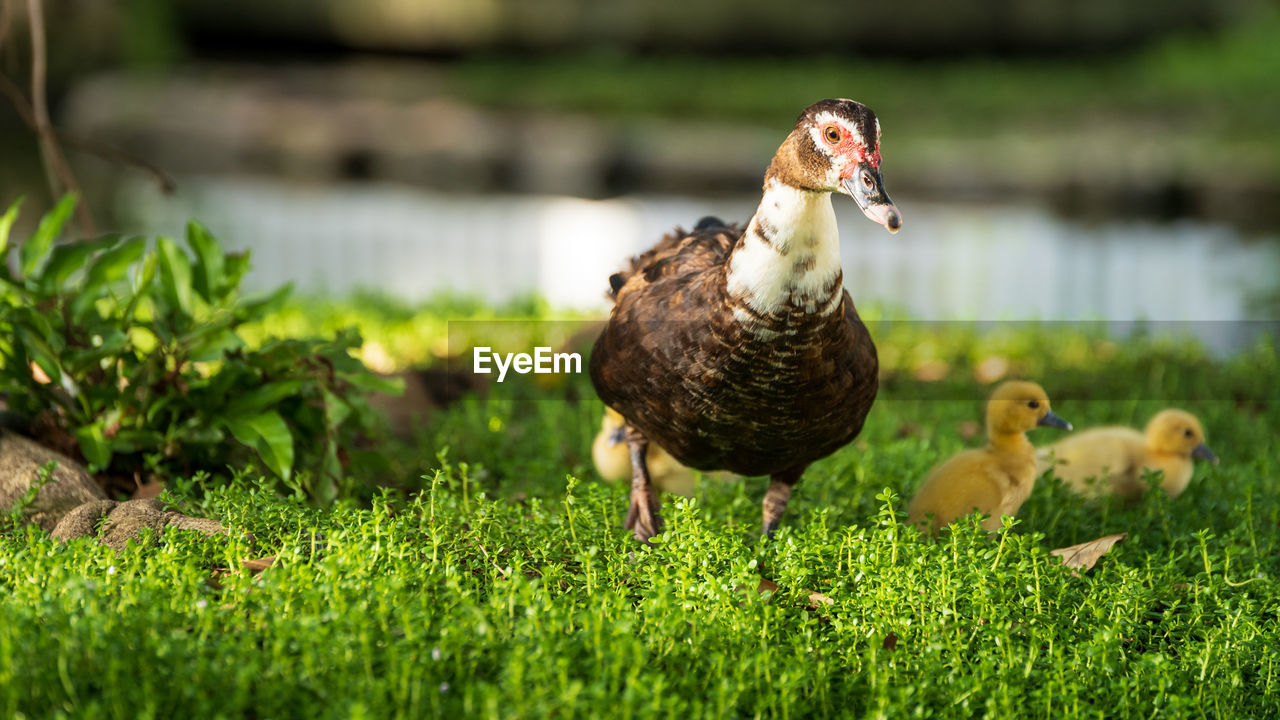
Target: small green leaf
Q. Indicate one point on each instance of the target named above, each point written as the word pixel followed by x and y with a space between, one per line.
pixel 6 223
pixel 66 259
pixel 94 445
pixel 210 272
pixel 255 307
pixel 111 266
pixel 175 274
pixel 235 267
pixel 374 383
pixel 263 398
pixel 203 435
pixel 148 273
pixel 269 435
pixel 129 441
pixel 336 410
pixel 37 247
pixel 40 352
pixel 40 325
pixel 215 346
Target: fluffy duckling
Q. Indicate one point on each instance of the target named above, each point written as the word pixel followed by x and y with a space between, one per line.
pixel 613 459
pixel 994 480
pixel 1111 460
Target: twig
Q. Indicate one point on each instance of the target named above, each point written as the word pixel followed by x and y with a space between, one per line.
pixel 6 21
pixel 103 150
pixel 114 154
pixel 55 165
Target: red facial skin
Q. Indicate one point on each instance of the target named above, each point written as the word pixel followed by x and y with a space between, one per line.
pixel 850 147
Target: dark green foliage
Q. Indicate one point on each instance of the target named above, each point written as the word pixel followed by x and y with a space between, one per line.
pixel 143 365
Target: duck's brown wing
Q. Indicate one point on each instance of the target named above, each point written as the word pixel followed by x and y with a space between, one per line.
pixel 678 253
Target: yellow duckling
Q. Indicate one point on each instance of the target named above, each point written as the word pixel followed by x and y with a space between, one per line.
pixel 1111 460
pixel 613 459
pixel 994 480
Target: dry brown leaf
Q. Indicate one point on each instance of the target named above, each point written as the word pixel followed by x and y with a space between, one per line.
pixel 39 375
pixel 147 490
pixel 890 641
pixel 256 566
pixel 817 600
pixel 1085 555
pixel 932 371
pixel 991 369
pixel 909 430
pixel 968 430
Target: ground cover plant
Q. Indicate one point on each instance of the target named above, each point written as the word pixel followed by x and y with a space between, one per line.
pixel 129 355
pixel 506 586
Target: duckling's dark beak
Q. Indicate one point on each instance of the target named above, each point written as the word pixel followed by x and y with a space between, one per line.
pixel 1202 452
pixel 866 187
pixel 617 436
pixel 1051 420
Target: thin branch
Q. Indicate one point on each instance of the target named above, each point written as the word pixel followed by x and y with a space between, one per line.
pixel 111 153
pixel 57 171
pixel 106 151
pixel 19 102
pixel 6 21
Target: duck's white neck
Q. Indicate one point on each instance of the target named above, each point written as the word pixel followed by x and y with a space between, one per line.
pixel 789 257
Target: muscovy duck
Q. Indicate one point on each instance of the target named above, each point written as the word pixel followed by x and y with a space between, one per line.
pixel 737 348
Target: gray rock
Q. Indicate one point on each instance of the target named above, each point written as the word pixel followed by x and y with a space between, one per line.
pixel 115 524
pixel 83 520
pixel 21 464
pixel 71 505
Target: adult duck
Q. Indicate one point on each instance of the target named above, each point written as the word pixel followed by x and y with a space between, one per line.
pixel 739 349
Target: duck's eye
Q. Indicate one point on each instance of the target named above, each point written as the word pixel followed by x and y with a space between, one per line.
pixel 866 181
pixel 1188 432
pixel 1033 404
pixel 832 135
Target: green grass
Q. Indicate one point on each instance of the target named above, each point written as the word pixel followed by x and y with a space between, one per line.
pixel 503 589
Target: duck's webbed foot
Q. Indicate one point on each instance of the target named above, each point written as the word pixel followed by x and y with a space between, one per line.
pixel 642 516
pixel 776 498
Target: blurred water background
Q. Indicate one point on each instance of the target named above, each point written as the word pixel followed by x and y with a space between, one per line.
pixel 1081 160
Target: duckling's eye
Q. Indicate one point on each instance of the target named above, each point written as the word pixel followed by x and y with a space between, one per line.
pixel 832 135
pixel 1188 432
pixel 1033 404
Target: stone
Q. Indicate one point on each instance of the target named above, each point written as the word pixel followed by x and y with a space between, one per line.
pixel 116 523
pixel 21 465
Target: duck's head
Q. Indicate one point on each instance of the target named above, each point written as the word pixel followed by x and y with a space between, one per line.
pixel 1178 432
pixel 1017 406
pixel 835 147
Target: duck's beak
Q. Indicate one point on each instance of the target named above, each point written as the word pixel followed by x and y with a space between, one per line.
pixel 1051 420
pixel 617 436
pixel 866 187
pixel 1202 452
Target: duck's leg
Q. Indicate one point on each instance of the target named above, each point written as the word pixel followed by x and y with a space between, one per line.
pixel 642 516
pixel 776 497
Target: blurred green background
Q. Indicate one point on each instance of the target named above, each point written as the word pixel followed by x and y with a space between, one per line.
pixel 419 147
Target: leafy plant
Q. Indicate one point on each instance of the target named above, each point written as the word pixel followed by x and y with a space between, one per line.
pixel 132 350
